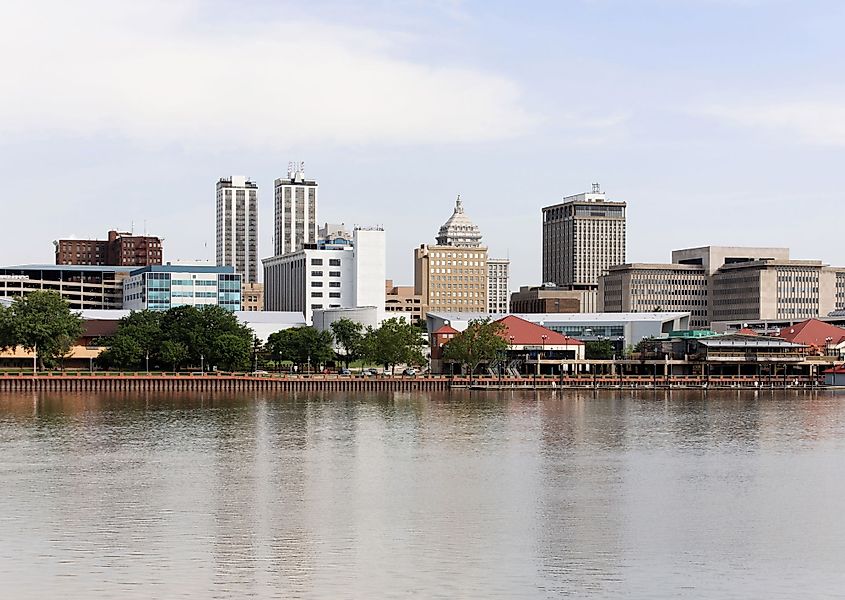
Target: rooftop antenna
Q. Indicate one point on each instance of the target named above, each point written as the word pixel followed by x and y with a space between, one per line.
pixel 597 188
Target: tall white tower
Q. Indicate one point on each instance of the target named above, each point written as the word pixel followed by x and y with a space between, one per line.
pixel 237 226
pixel 296 211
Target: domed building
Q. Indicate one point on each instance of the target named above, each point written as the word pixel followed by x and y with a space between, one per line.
pixel 451 276
pixel 459 230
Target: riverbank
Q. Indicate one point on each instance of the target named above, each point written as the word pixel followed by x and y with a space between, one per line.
pixel 86 381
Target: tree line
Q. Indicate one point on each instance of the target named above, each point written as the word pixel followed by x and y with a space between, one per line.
pixel 206 337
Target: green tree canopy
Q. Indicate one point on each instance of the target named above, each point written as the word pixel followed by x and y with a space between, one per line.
pixel 395 342
pixel 349 335
pixel 172 353
pixel 124 352
pixel 42 321
pixel 7 337
pixel 599 350
pixel 180 335
pixel 482 341
pixel 301 345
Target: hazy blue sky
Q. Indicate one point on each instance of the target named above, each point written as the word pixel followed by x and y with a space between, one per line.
pixel 718 121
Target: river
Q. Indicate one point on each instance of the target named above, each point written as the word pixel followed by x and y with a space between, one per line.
pixel 482 495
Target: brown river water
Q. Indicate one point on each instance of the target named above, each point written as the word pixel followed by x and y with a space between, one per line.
pixel 564 494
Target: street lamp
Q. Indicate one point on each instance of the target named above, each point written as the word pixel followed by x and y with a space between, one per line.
pixel 202 363
pixel 543 337
pixel 148 362
pixel 511 338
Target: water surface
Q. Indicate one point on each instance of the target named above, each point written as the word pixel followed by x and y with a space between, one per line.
pixel 515 495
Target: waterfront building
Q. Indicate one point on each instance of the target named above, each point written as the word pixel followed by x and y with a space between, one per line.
pixel 82 286
pixel 452 274
pixel 121 249
pixel 295 205
pixel 237 226
pixel 166 286
pixel 548 298
pixel 725 283
pixel 623 329
pixel 583 236
pixel 824 338
pixel 498 275
pixel 531 348
pixel 336 273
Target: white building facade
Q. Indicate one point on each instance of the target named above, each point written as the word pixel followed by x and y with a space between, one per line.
pixel 498 274
pixel 237 226
pixel 162 287
pixel 295 203
pixel 330 274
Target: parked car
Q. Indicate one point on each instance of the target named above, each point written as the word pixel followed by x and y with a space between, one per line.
pixel 345 372
pixel 409 372
pixel 369 372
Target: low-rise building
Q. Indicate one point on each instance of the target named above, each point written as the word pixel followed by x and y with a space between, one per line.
pixel 82 286
pixel 161 287
pixel 531 349
pixel 401 301
pixel 623 329
pixel 546 298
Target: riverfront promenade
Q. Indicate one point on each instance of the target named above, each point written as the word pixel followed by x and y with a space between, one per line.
pixel 84 381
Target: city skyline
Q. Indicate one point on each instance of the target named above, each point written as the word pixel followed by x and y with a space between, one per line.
pixel 735 128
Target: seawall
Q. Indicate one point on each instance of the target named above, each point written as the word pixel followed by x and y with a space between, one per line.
pixel 84 381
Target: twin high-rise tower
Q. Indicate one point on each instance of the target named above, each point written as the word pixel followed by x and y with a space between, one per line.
pixel 237 226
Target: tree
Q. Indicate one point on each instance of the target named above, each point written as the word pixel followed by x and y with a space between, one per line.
pixel 123 352
pixel 301 345
pixel 7 338
pixel 232 352
pixel 598 350
pixel 138 337
pixel 348 334
pixel 395 342
pixel 280 346
pixel 173 353
pixel 482 341
pixel 198 330
pixel 43 322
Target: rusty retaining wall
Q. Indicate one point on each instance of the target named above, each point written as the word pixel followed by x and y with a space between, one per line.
pixel 214 383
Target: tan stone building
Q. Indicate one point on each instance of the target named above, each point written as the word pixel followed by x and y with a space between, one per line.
pixel 645 287
pixel 722 283
pixel 400 300
pixel 252 296
pixel 451 276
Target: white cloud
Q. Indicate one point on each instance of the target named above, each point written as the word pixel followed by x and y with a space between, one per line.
pixel 812 121
pixel 157 71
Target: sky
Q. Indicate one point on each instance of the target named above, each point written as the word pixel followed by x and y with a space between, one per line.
pixel 717 121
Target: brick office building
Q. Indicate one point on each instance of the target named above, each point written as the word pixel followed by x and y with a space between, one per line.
pixel 119 250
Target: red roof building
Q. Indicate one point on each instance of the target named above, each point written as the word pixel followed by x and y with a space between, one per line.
pixel 813 332
pixel 521 334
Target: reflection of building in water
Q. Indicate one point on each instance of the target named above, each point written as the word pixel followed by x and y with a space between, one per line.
pixel 580 505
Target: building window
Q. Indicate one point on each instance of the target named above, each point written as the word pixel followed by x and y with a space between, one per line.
pixel 334 262
pixel 317 262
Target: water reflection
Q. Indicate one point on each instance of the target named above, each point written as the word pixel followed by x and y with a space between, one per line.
pixel 655 494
